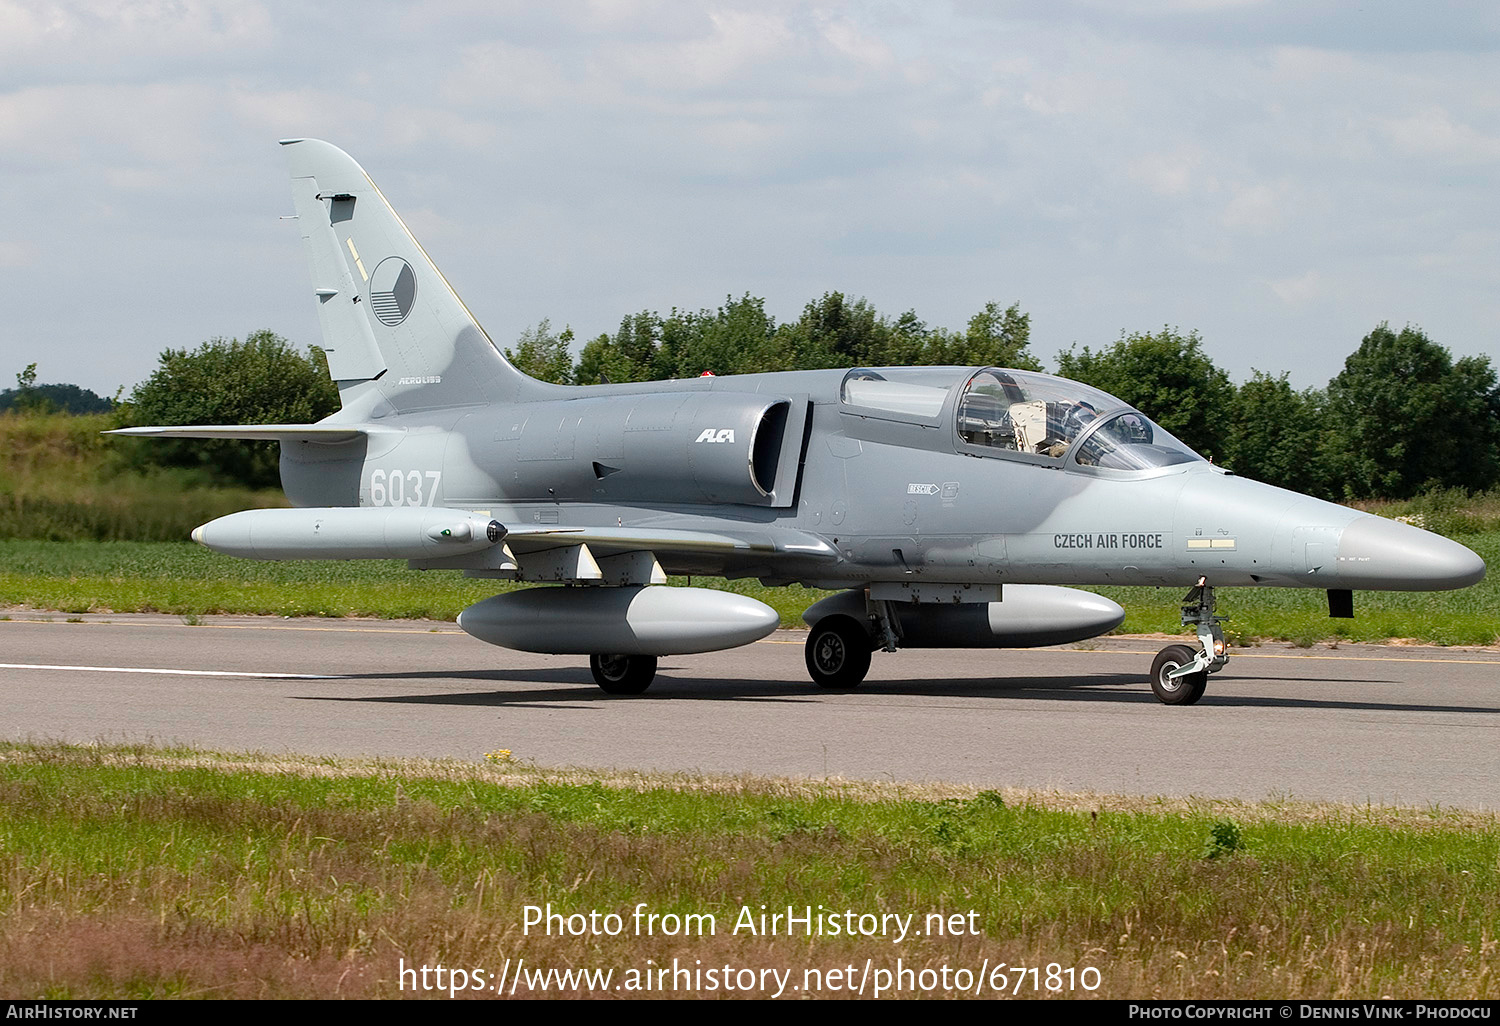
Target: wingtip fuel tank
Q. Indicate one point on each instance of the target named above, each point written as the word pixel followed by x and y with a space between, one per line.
pixel 369 532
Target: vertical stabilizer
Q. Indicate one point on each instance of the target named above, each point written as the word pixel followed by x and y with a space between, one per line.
pixel 398 337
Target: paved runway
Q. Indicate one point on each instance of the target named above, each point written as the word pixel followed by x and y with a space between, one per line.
pixel 1408 726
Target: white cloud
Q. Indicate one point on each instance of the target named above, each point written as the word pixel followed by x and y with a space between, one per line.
pixel 499 74
pixel 737 42
pixel 295 113
pixel 1259 208
pixel 15 255
pixel 1060 95
pixel 864 49
pixel 1302 289
pixel 1153 8
pixel 154 121
pixel 106 33
pixel 740 137
pixel 1172 174
pixel 29 26
pixel 1434 134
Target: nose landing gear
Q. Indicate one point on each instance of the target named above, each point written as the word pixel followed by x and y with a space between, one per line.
pixel 1179 675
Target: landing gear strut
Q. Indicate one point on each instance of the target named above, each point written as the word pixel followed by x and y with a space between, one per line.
pixel 1179 674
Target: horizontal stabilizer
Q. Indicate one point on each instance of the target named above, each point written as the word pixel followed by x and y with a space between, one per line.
pixel 329 433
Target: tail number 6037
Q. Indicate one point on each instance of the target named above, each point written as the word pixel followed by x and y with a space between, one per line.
pixel 411 488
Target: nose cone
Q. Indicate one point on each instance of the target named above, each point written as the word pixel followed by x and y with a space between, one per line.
pixel 1379 554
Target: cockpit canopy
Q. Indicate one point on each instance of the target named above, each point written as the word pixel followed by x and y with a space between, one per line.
pixel 1010 411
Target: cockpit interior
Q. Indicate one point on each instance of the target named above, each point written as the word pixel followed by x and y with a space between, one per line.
pixel 1001 412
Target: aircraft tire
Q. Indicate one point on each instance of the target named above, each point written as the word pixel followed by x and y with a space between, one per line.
pixel 1183 690
pixel 838 653
pixel 623 674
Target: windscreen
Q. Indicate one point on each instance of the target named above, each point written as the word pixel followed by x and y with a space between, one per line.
pixel 1131 441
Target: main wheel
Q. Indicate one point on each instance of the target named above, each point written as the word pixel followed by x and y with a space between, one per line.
pixel 623 674
pixel 838 652
pixel 1181 690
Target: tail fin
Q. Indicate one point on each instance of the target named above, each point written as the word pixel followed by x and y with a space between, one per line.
pixel 398 337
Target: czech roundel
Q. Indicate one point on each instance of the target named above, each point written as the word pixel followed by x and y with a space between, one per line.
pixel 393 289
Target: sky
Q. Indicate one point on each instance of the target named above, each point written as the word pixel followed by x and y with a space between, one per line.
pixel 1280 177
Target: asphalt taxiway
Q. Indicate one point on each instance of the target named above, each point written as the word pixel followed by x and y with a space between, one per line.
pixel 1360 723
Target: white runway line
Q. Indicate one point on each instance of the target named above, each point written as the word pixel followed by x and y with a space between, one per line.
pixel 179 673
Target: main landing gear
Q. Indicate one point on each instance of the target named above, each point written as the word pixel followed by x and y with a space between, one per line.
pixel 623 674
pixel 838 653
pixel 839 646
pixel 1179 674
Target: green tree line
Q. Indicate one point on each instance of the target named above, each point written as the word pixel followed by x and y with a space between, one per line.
pixel 1402 418
pixel 30 397
pixel 741 338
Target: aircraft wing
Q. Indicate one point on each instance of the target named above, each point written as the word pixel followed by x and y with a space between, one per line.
pixel 561 552
pixel 330 433
pixel 614 540
pixel 439 538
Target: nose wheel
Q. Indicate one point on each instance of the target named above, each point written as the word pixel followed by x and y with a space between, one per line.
pixel 1183 690
pixel 1179 673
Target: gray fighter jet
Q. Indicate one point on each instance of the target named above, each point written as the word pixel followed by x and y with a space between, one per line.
pixel 948 506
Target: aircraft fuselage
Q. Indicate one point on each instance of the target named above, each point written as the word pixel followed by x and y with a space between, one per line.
pixel 897 496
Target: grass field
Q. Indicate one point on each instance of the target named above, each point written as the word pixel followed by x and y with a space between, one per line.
pixel 62 480
pixel 137 873
pixel 187 579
